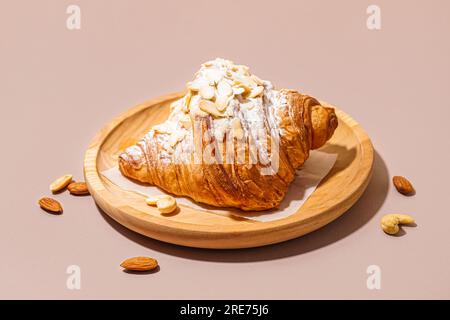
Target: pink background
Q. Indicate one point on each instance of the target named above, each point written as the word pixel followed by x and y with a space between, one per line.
pixel 58 87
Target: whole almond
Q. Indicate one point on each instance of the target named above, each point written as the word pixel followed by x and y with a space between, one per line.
pixel 78 188
pixel 60 183
pixel 403 185
pixel 50 205
pixel 139 264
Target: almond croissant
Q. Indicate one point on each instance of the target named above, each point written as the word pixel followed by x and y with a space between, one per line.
pixel 231 141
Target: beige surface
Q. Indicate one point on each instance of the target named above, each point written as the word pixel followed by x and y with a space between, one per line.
pixel 393 81
pixel 337 192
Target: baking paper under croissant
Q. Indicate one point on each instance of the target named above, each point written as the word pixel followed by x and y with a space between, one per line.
pixel 305 125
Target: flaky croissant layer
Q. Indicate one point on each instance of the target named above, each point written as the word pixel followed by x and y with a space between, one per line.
pixel 231 141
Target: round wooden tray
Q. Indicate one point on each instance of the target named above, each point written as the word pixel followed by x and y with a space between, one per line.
pixel 337 192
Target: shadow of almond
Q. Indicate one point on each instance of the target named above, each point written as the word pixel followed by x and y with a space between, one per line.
pixel 53 213
pixel 355 218
pixel 156 270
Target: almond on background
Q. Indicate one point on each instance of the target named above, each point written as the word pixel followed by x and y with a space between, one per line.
pixel 78 188
pixel 60 183
pixel 50 205
pixel 403 185
pixel 139 264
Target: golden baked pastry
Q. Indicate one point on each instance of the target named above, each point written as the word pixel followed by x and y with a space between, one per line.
pixel 231 141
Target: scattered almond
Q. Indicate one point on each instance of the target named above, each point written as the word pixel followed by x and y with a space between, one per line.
pixel 60 183
pixel 403 185
pixel 78 188
pixel 139 264
pixel 50 204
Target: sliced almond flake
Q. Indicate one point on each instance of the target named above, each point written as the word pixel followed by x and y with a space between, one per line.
pixel 187 100
pixel 224 88
pixel 245 81
pixel 222 102
pixel 255 92
pixel 210 107
pixel 238 90
pixel 229 81
pixel 213 75
pixel 194 108
pixel 207 92
pixel 196 84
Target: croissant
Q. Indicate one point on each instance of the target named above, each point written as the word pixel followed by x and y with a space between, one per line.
pixel 231 141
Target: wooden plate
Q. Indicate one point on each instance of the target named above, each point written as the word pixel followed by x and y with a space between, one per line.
pixel 336 193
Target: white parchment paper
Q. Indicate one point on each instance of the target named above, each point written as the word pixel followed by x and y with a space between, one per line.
pixel 312 172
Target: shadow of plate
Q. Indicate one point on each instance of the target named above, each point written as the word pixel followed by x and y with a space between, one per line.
pixel 355 218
